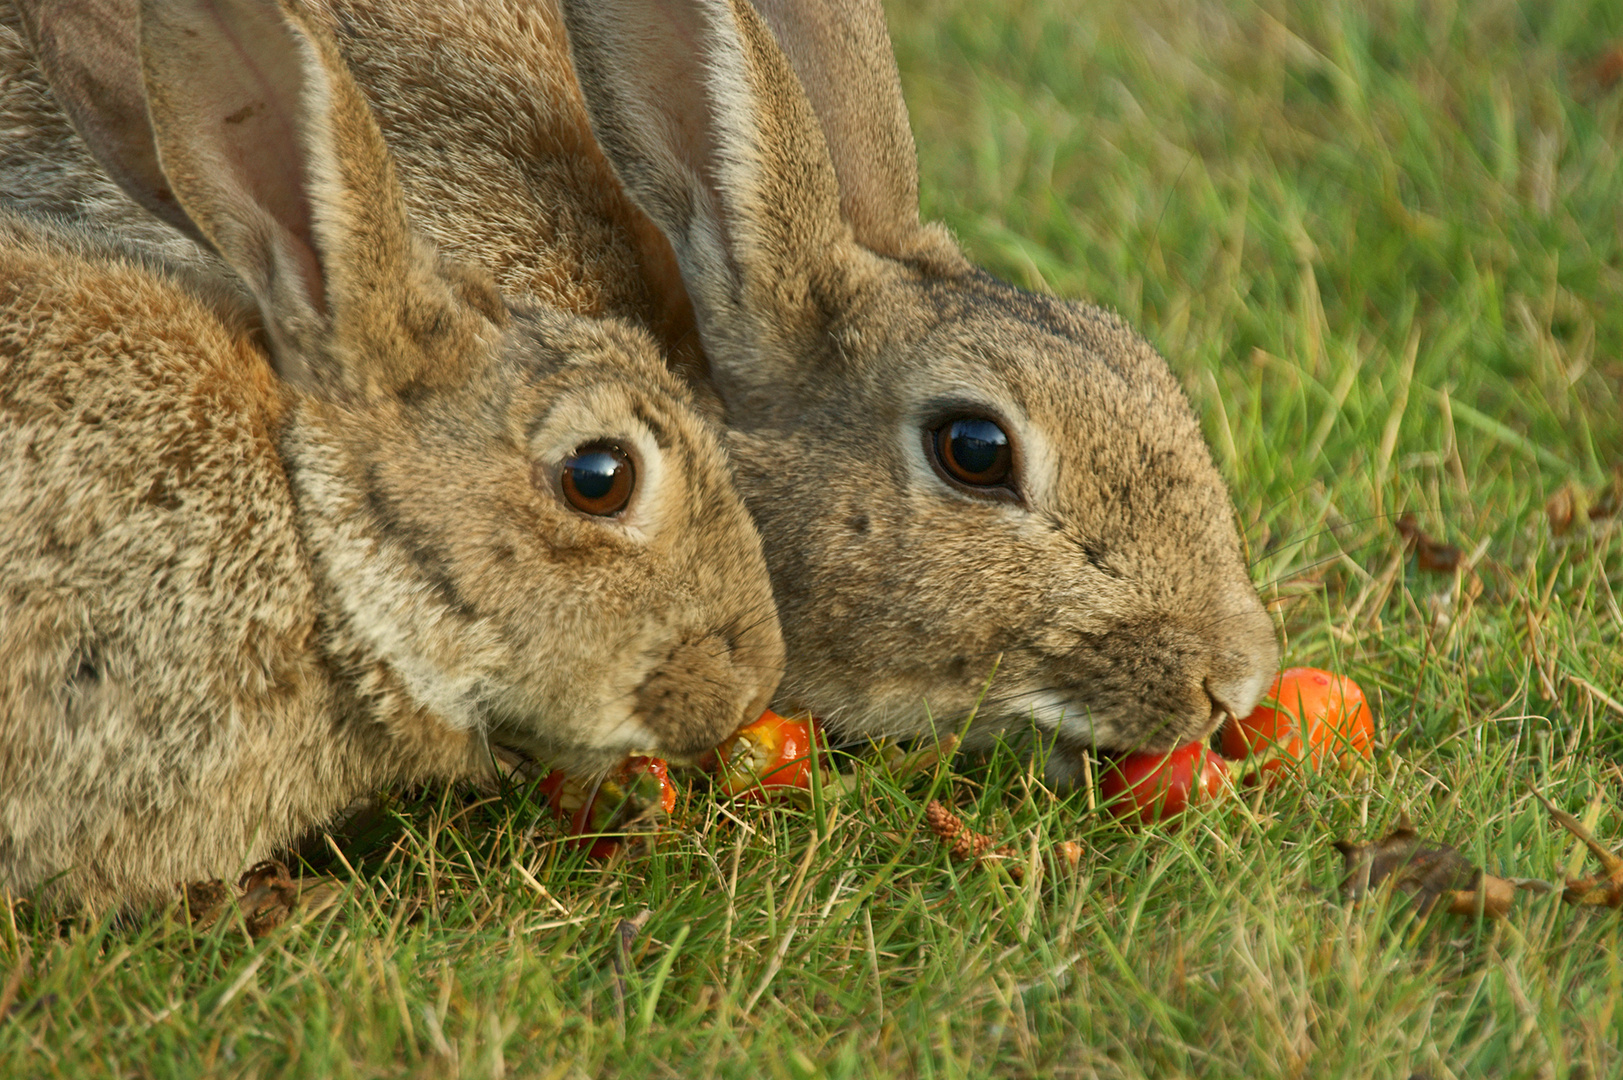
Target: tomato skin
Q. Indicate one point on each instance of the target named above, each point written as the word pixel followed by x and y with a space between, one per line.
pixel 625 788
pixel 1150 787
pixel 1309 717
pixel 771 751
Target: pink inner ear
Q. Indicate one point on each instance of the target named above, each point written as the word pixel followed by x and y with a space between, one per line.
pixel 673 59
pixel 250 103
pixel 225 84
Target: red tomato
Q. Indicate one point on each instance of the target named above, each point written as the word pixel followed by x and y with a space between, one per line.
pixel 628 793
pixel 1149 787
pixel 766 753
pixel 1308 717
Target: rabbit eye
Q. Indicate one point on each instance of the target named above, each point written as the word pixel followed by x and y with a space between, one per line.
pixel 974 451
pixel 598 480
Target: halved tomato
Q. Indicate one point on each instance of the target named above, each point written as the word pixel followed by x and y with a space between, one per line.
pixel 769 752
pixel 1309 718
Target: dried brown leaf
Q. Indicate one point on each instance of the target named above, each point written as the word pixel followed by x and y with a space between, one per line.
pixel 1567 505
pixel 269 895
pixel 203 902
pixel 1574 504
pixel 265 896
pixel 1434 875
pixel 1609 503
pixel 1430 554
pixel 1593 890
pixel 1607 69
pixel 1491 897
pixel 1069 852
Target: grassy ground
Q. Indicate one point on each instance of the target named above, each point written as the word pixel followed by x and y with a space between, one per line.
pixel 1380 241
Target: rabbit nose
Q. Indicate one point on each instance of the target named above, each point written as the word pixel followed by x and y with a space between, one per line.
pixel 1241 663
pixel 691 700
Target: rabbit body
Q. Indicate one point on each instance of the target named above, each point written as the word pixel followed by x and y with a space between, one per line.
pixel 159 605
pixel 266 545
pixel 752 186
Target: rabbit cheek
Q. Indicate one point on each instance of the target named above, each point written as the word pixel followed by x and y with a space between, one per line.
pixel 392 573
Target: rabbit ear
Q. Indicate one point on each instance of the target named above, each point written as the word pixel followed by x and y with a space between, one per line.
pixel 841 52
pixel 89 51
pixel 271 152
pixel 706 125
pixel 226 85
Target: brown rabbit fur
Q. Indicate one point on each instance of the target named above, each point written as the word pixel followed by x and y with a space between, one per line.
pixel 1104 579
pixel 268 543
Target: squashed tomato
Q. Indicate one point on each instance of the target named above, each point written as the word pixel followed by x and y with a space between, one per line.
pixel 770 752
pixel 1309 717
pixel 1150 787
pixel 638 790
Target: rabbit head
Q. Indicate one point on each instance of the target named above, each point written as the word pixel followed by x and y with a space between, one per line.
pixel 949 474
pixel 515 513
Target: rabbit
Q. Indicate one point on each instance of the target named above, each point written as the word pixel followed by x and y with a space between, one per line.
pixel 346 519
pixel 975 501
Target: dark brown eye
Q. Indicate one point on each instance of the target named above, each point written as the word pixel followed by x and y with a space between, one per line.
pixel 975 451
pixel 598 480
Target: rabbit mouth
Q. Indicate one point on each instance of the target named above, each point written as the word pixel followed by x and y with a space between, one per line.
pixel 1078 721
pixel 609 741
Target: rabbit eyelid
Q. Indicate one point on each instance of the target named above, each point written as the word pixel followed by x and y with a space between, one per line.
pixel 1029 478
pixel 556 439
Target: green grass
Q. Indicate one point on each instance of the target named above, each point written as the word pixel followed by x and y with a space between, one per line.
pixel 1381 243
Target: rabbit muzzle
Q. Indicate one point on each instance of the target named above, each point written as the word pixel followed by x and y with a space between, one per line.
pixel 709 686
